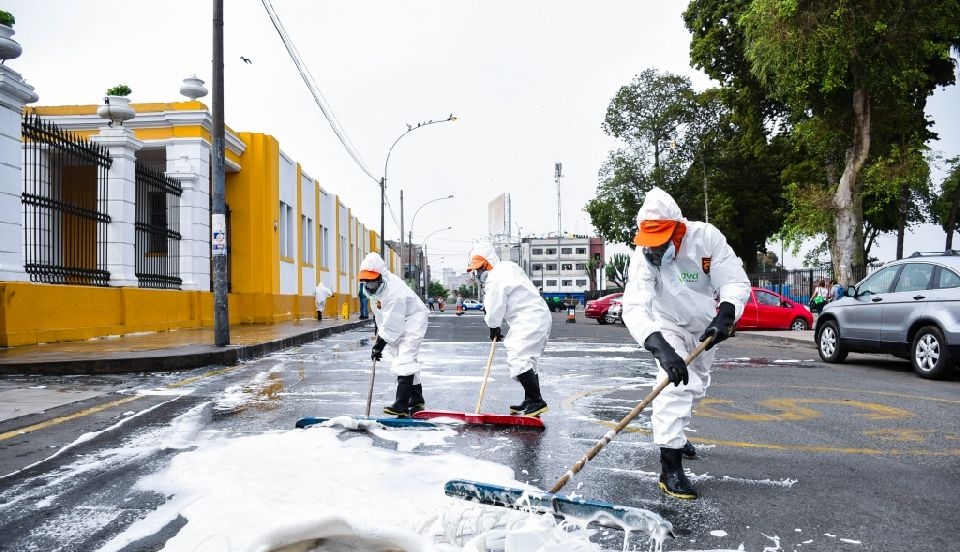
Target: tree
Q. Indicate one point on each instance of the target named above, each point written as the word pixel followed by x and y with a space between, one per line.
pixel 592 265
pixel 436 289
pixel 467 291
pixel 617 269
pixel 838 63
pixel 946 205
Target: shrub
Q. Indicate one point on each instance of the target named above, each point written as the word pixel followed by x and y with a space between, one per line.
pixel 119 90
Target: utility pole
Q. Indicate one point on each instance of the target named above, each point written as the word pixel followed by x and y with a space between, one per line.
pixel 218 222
pixel 557 175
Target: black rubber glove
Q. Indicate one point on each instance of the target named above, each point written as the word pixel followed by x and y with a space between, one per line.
pixel 722 325
pixel 377 352
pixel 495 334
pixel 670 361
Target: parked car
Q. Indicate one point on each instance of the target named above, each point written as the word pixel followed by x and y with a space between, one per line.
pixel 768 310
pixel 615 311
pixel 910 308
pixel 472 304
pixel 597 308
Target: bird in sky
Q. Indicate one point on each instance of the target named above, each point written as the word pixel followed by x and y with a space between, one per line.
pixel 245 59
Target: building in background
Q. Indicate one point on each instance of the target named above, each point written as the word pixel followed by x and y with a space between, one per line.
pixel 106 217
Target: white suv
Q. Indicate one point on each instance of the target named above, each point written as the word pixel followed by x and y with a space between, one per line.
pixel 910 308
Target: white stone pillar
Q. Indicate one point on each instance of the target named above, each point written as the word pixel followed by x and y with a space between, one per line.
pixel 191 168
pixel 14 94
pixel 121 203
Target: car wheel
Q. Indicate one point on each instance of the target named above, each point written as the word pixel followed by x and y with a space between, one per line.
pixel 828 343
pixel 609 319
pixel 603 319
pixel 929 354
pixel 799 325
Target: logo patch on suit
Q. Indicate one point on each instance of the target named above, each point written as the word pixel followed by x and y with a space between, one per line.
pixel 705 264
pixel 378 306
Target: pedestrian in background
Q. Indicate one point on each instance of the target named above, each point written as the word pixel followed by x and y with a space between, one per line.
pixel 401 319
pixel 668 306
pixel 818 298
pixel 459 304
pixel 320 295
pixel 430 302
pixel 836 291
pixel 364 303
pixel 510 296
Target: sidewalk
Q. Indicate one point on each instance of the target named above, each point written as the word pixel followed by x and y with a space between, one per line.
pixel 163 351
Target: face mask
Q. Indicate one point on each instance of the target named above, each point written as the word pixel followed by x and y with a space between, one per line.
pixel 372 286
pixel 482 276
pixel 662 255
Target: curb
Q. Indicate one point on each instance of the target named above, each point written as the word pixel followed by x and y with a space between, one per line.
pixel 779 339
pixel 173 359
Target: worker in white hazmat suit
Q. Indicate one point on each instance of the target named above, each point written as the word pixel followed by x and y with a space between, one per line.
pixel 401 319
pixel 669 306
pixel 510 296
pixel 320 294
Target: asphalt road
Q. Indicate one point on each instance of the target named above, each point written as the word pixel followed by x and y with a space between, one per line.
pixel 794 454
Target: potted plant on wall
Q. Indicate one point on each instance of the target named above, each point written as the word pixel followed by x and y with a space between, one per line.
pixel 116 105
pixel 9 48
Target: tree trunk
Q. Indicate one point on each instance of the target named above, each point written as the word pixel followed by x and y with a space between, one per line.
pixel 952 218
pixel 902 218
pixel 848 223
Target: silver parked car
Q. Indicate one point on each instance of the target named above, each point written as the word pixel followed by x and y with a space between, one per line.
pixel 910 308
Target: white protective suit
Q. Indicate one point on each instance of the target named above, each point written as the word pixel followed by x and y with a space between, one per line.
pixel 321 293
pixel 401 318
pixel 677 300
pixel 510 295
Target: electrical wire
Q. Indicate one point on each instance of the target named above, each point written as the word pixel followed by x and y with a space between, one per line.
pixel 315 91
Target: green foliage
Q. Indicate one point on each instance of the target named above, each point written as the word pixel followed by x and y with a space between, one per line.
pixel 436 289
pixel 7 18
pixel 119 90
pixel 467 291
pixel 945 207
pixel 617 269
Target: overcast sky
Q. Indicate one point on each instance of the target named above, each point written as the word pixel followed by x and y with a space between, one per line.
pixel 529 83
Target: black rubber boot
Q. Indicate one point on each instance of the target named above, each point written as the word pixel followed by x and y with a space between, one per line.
pixel 518 408
pixel 401 407
pixel 416 400
pixel 672 479
pixel 688 450
pixel 319 316
pixel 535 404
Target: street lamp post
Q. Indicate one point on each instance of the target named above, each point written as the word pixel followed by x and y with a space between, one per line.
pixel 383 181
pixel 423 249
pixel 410 235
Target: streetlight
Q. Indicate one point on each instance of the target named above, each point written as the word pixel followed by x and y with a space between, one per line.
pixel 383 181
pixel 412 220
pixel 423 251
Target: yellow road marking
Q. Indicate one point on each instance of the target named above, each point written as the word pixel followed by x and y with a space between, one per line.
pixel 68 417
pixel 791 411
pixel 94 409
pixel 875 412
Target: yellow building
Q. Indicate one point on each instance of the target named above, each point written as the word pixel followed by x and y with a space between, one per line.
pixel 114 231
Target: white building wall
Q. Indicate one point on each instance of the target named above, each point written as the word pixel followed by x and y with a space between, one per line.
pixel 326 239
pixel 308 232
pixel 188 160
pixel 288 222
pixel 343 248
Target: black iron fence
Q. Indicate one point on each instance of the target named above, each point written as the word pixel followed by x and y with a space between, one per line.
pixel 799 284
pixel 157 238
pixel 64 206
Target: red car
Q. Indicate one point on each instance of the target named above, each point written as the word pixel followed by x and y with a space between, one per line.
pixel 597 308
pixel 768 310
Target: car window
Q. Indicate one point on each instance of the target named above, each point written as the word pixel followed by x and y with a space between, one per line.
pixel 914 277
pixel 879 281
pixel 765 298
pixel 948 278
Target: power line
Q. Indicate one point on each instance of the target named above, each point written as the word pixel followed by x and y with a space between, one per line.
pixel 315 91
